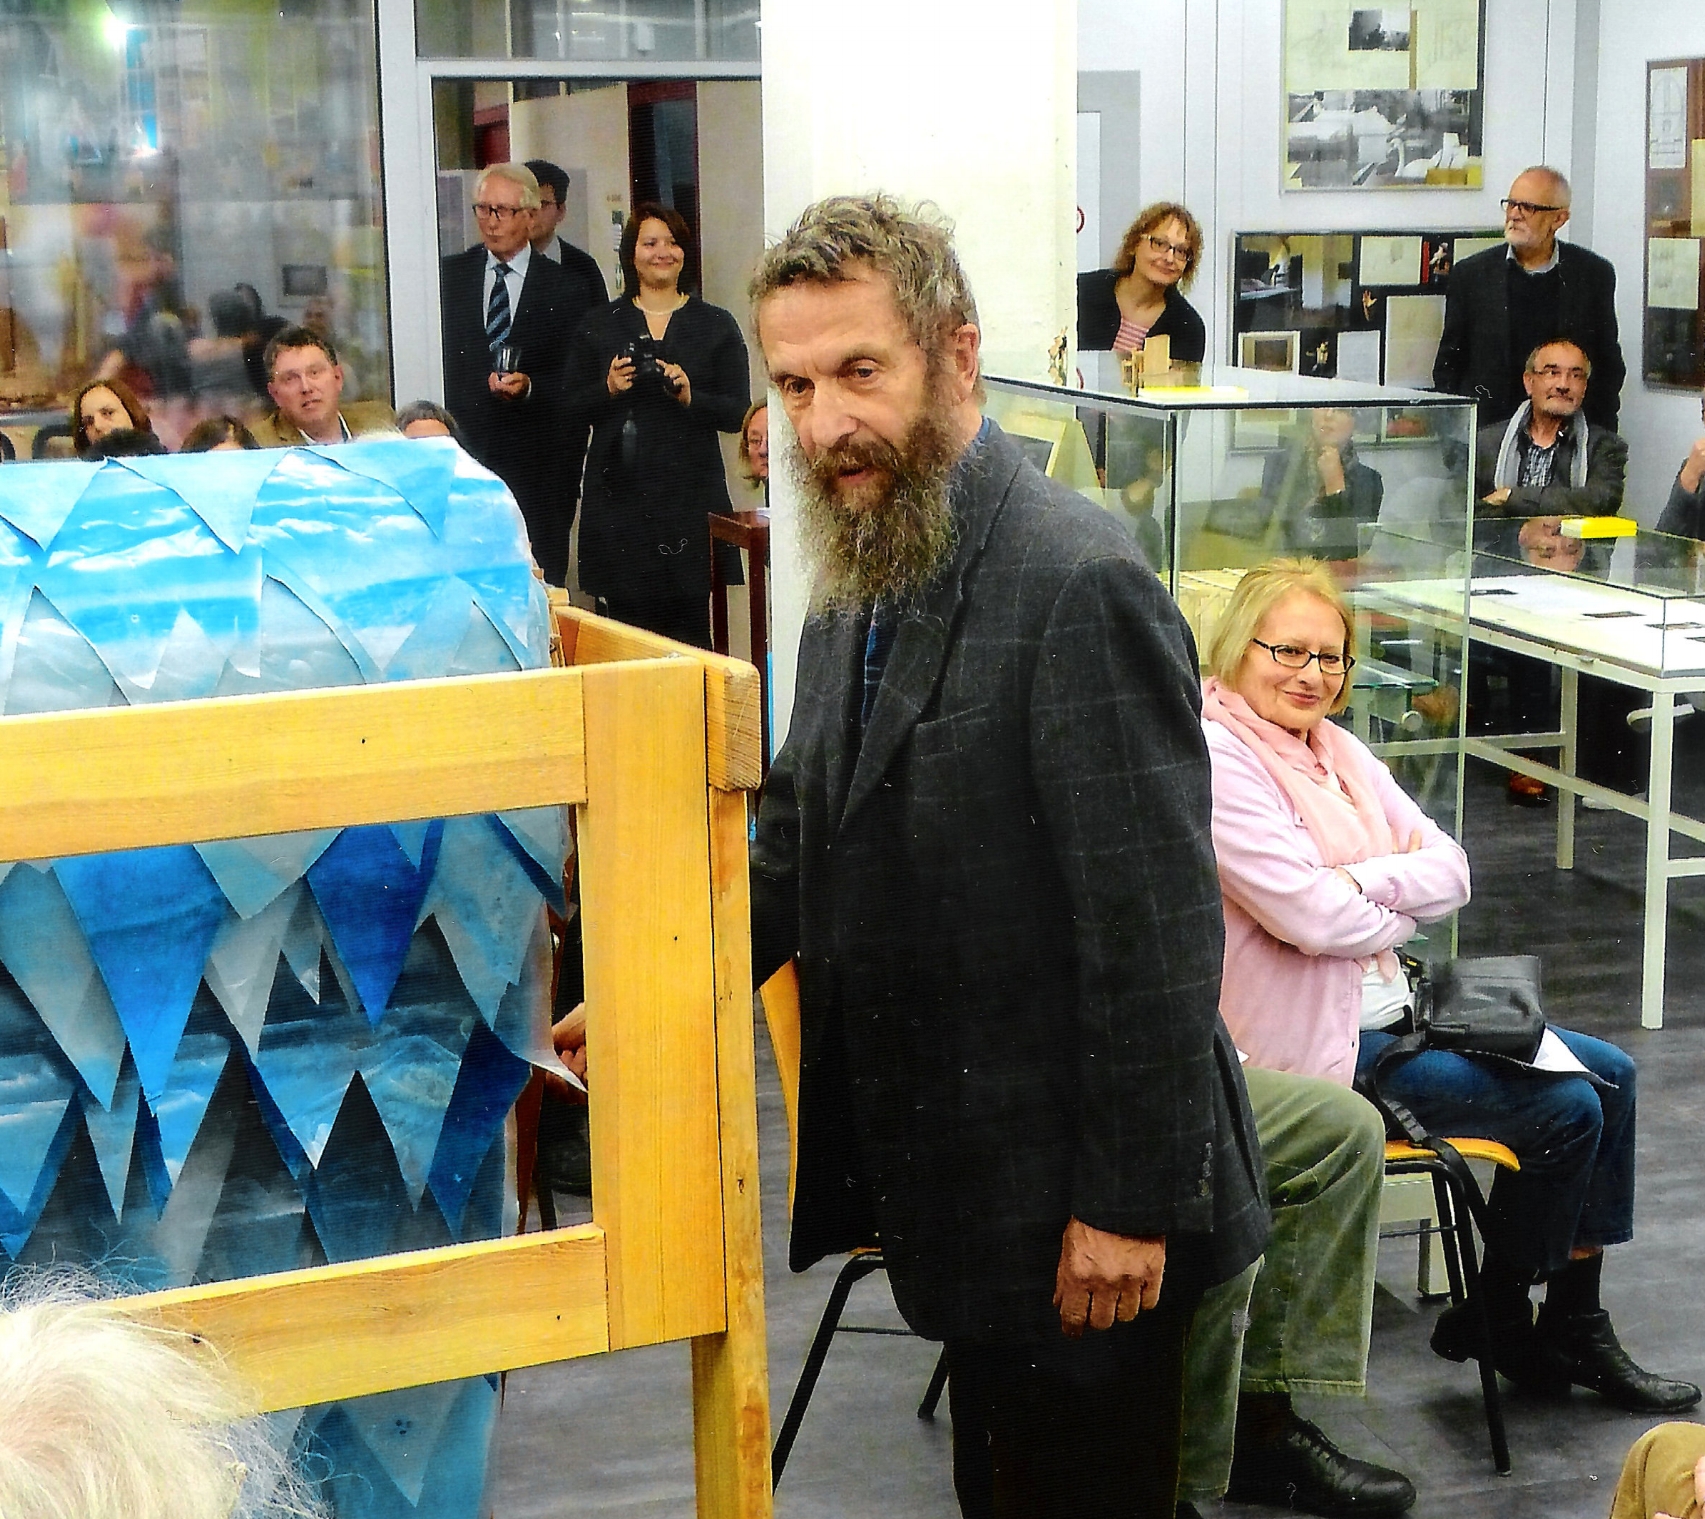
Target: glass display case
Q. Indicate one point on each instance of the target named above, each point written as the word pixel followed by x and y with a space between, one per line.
pixel 1588 649
pixel 1248 465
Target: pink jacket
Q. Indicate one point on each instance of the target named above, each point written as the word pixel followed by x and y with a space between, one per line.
pixel 1296 935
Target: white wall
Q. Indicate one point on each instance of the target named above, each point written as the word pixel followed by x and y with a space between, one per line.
pixel 588 128
pixel 1660 425
pixel 1212 122
pixel 969 103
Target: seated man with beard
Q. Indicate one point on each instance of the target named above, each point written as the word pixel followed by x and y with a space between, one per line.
pixel 987 840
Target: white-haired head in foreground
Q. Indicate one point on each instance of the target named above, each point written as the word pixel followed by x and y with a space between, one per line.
pixel 104 1418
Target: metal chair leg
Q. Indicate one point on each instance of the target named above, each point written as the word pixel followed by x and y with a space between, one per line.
pixel 937 1382
pixel 855 1270
pixel 1492 1393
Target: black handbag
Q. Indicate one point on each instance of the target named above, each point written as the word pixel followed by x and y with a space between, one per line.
pixel 1489 1005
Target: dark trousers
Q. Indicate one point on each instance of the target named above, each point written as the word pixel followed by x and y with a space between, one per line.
pixel 685 619
pixel 1575 1142
pixel 1080 1429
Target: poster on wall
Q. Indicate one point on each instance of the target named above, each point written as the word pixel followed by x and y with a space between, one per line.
pixel 1672 329
pixel 1366 306
pixel 1384 97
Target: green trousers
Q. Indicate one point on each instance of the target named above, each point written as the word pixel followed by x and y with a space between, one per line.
pixel 1299 1320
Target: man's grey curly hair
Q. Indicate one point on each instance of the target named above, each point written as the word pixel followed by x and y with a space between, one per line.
pixel 105 1418
pixel 910 246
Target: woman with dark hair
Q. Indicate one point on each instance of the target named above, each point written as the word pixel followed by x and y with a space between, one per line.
pixel 1142 295
pixel 217 433
pixel 658 372
pixel 102 407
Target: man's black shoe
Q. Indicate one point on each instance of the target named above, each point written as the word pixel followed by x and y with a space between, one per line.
pixel 1302 1469
pixel 1186 1510
pixel 1582 1349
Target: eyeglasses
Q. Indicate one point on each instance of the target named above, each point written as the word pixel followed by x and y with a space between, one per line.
pixel 496 213
pixel 1528 207
pixel 1293 658
pixel 1179 251
pixel 1552 372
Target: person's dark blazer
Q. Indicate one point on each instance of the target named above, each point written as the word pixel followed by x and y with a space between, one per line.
pixel 526 442
pixel 1006 911
pixel 1683 515
pixel 588 290
pixel 1098 318
pixel 1474 357
pixel 1326 526
pixel 1601 496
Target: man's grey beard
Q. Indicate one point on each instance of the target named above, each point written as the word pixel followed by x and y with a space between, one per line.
pixel 887 539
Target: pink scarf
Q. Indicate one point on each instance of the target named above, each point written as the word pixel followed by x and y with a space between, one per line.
pixel 1320 774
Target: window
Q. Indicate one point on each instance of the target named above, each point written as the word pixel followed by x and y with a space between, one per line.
pixel 180 180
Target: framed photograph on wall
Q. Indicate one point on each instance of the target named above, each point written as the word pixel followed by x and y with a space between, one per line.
pixel 1277 352
pixel 1384 97
pixel 1366 306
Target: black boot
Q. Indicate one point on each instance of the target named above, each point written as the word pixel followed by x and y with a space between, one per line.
pixel 1284 1460
pixel 1581 1349
pixel 1509 1315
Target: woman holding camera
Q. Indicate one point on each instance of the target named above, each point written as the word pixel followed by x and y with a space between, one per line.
pixel 658 373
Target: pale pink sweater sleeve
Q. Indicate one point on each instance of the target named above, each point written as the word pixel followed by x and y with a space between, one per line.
pixel 1427 883
pixel 1269 864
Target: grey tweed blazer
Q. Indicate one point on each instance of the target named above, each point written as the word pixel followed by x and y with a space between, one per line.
pixel 1007 918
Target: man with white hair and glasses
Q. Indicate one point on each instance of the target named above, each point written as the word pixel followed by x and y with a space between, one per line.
pixel 1502 304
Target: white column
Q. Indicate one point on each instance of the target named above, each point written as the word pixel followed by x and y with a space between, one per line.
pixel 967 103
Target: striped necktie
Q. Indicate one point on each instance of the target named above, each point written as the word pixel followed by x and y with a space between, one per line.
pixel 497 313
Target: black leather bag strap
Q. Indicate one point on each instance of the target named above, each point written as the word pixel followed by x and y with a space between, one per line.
pixel 1401 1122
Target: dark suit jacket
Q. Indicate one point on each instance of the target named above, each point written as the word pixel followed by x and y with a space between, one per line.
pixel 586 280
pixel 1474 357
pixel 1601 496
pixel 1326 526
pixel 1006 912
pixel 1098 318
pixel 523 441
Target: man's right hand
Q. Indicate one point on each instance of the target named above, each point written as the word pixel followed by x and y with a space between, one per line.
pixel 1102 1277
pixel 1693 471
pixel 620 378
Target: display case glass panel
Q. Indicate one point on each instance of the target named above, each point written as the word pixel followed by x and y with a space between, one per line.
pixel 1247 466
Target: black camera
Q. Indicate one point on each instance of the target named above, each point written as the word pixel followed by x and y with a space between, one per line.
pixel 647 366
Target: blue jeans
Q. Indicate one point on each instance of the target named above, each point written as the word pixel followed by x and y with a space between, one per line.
pixel 1575 1143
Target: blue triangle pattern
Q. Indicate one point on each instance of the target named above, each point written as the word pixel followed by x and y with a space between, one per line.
pixel 181 1108
pixel 176 563
pixel 452 1483
pixel 150 917
pixel 37 497
pixel 370 894
pixel 43 947
pixel 486 1088
pixel 417 469
pixel 112 1133
pixel 219 487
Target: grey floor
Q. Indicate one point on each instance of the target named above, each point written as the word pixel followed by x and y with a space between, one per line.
pixel 614 1435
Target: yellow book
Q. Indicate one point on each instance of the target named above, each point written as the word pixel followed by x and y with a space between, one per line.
pixel 1598 527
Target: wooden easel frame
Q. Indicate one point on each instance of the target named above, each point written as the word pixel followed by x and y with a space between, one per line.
pixel 655 745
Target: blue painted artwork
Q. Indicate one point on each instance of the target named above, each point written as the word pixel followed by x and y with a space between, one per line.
pixel 230 1058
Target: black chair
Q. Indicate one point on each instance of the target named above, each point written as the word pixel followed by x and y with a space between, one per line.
pixel 1459 1202
pixel 781 1012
